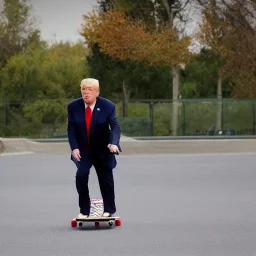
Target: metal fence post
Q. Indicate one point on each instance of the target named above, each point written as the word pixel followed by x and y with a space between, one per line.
pixel 184 118
pixel 123 108
pixel 151 117
pixel 6 112
pixel 253 119
pixel 222 114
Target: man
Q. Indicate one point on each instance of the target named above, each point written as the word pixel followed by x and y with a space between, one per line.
pixel 94 138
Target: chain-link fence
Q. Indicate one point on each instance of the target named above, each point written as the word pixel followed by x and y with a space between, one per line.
pixel 48 118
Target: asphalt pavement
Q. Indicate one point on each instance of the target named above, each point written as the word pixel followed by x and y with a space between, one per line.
pixel 170 205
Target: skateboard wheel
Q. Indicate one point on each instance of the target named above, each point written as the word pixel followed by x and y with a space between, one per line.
pixel 80 224
pixel 97 224
pixel 110 223
pixel 73 223
pixel 118 222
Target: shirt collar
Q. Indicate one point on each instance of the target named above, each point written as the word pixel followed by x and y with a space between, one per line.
pixel 92 106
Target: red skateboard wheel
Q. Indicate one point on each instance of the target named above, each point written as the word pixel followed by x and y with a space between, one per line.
pixel 118 222
pixel 73 223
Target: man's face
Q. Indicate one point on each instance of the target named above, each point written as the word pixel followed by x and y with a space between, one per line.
pixel 89 93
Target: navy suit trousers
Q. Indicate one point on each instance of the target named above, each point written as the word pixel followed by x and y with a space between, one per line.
pixel 106 184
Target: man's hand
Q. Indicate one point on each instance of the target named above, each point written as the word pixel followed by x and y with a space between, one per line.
pixel 113 148
pixel 76 154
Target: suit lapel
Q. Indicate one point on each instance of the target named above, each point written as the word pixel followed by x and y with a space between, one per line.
pixel 95 115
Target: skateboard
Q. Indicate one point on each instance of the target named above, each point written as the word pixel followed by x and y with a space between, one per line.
pixel 96 216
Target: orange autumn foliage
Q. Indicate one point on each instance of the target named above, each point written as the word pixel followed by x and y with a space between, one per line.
pixel 241 64
pixel 126 39
pixel 236 43
pixel 211 32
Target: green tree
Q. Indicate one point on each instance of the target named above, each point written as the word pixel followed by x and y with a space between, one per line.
pixel 16 31
pixel 38 82
pixel 199 77
pixel 42 73
pixel 16 28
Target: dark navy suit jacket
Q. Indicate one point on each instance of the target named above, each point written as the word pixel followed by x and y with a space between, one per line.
pixel 104 130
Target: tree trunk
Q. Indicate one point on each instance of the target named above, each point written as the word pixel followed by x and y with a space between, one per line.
pixel 175 73
pixel 219 103
pixel 175 97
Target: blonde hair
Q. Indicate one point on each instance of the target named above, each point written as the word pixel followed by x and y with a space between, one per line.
pixel 90 81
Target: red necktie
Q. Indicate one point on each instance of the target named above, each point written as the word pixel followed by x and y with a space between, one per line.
pixel 88 116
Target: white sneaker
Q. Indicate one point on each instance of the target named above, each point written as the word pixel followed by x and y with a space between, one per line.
pixel 106 214
pixel 81 216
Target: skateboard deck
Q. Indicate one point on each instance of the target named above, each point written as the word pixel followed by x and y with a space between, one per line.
pixel 96 215
pixel 91 219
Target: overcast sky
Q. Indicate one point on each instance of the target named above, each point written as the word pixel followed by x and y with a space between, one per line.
pixel 60 19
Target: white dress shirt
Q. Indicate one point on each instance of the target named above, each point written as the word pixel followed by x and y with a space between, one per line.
pixel 92 106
